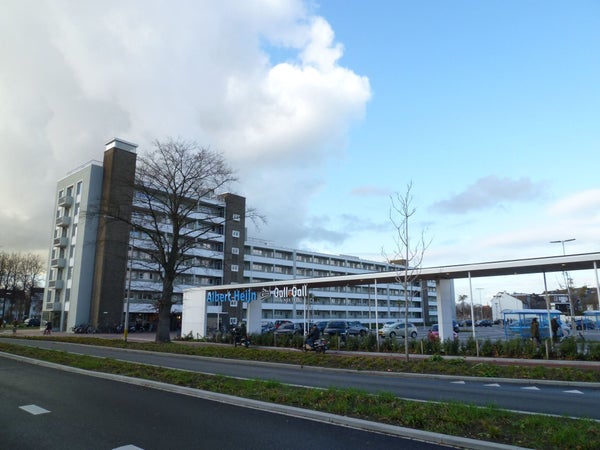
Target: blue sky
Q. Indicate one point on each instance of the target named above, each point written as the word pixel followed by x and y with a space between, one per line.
pixel 491 109
pixel 325 109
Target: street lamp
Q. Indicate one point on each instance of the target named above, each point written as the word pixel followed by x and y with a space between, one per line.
pixel 566 276
pixel 480 303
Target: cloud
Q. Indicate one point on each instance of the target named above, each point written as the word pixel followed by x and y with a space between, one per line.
pixel 584 202
pixel 371 191
pixel 490 192
pixel 81 73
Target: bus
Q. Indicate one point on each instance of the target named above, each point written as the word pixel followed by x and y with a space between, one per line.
pixel 517 323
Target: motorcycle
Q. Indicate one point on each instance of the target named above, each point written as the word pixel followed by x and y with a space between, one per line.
pixel 318 345
pixel 244 341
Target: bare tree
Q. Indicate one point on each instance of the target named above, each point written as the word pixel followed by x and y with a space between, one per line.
pixel 19 274
pixel 460 308
pixel 408 253
pixel 171 181
pixel 31 267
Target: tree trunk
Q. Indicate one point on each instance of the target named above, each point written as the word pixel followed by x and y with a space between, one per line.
pixel 163 331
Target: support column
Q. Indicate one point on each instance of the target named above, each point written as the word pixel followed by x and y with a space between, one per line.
pixel 445 308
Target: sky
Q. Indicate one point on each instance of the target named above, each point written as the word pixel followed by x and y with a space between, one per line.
pixel 326 110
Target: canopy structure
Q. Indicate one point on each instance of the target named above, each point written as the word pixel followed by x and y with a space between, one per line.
pixel 195 309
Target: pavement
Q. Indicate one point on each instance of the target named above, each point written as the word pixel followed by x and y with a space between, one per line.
pixel 437 438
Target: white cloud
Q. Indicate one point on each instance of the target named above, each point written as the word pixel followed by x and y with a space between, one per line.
pixel 584 202
pixel 81 73
pixel 489 192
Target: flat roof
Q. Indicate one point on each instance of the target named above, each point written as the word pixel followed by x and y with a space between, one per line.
pixel 583 261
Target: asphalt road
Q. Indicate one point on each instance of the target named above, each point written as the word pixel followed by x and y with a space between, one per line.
pixel 543 397
pixel 49 409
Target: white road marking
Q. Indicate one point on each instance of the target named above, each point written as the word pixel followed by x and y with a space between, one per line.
pixel 532 388
pixel 34 409
pixel 492 385
pixel 457 382
pixel 128 447
pixel 574 391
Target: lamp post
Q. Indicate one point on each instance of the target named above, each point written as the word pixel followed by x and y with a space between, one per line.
pixel 566 276
pixel 126 320
pixel 480 304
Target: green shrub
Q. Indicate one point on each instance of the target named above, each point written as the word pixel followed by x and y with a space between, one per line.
pixel 568 348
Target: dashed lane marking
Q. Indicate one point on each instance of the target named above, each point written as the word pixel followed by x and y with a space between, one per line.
pixel 457 382
pixel 492 385
pixel 531 388
pixel 128 447
pixel 574 391
pixel 34 409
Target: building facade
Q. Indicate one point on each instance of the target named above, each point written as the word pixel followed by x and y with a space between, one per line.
pixel 267 262
pixel 98 267
pixel 86 263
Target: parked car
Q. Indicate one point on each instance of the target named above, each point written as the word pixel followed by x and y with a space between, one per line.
pixel 320 325
pixel 336 327
pixel 290 328
pixel 32 322
pixel 357 329
pixel 280 322
pixel 483 323
pixel 392 330
pixel 586 324
pixel 434 333
pixel 268 327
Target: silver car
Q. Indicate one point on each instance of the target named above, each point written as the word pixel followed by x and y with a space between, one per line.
pixel 392 330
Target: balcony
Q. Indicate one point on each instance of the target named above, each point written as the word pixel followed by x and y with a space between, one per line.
pixel 58 262
pixel 53 306
pixel 62 241
pixel 63 221
pixel 56 284
pixel 65 201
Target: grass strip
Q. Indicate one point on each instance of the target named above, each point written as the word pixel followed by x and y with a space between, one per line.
pixel 384 363
pixel 489 423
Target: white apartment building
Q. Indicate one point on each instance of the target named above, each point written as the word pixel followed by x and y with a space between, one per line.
pixel 98 267
pixel 267 262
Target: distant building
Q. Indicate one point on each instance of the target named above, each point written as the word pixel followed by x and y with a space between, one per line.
pixel 503 301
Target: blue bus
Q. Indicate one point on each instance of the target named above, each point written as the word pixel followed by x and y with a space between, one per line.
pixel 517 323
pixel 593 316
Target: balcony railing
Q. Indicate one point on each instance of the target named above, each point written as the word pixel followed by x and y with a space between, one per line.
pixel 58 262
pixel 65 201
pixel 56 284
pixel 62 241
pixel 63 221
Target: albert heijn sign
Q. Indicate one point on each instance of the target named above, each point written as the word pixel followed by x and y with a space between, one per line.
pixel 249 295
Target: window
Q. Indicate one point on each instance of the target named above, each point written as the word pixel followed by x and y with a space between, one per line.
pixel 233 321
pixel 235 250
pixel 233 303
pixel 78 191
pixel 237 217
pixel 235 268
pixel 235 233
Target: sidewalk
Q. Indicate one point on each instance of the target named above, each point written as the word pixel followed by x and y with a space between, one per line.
pixel 141 337
pixel 150 337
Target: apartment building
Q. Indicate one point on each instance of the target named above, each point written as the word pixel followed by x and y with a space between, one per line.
pixel 98 267
pixel 267 262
